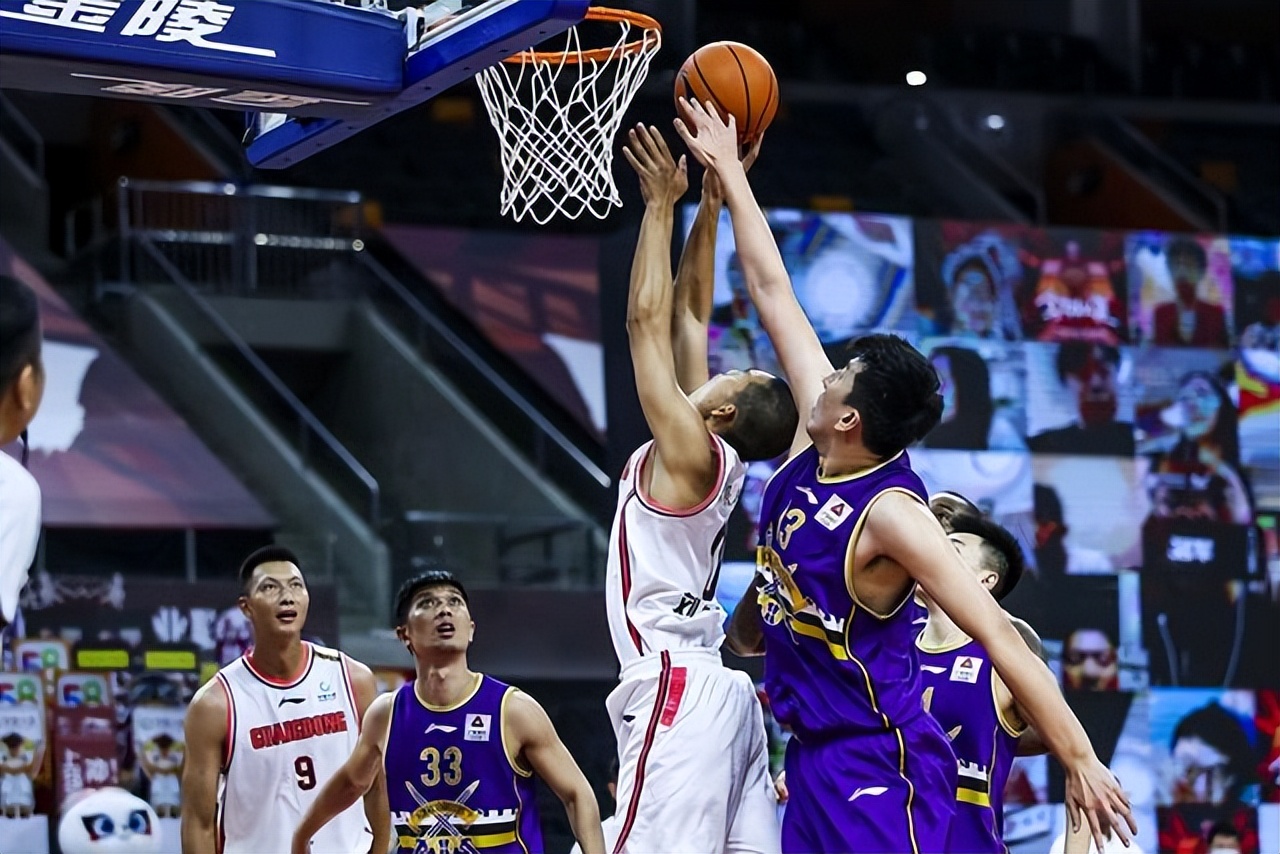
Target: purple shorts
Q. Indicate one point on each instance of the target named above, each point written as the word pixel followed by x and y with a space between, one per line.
pixel 873 793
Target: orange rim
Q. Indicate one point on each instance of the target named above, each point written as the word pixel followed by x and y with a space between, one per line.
pixel 600 54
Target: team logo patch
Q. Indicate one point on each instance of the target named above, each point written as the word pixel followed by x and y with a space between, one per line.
pixel 477 728
pixel 326 693
pixel 834 513
pixel 966 669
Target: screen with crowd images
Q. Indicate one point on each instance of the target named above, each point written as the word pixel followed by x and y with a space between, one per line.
pixel 1113 399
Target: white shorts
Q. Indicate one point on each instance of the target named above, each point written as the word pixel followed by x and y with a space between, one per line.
pixel 166 791
pixel 16 791
pixel 693 759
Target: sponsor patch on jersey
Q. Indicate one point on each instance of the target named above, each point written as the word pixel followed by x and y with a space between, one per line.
pixel 834 513
pixel 326 693
pixel 477 728
pixel 966 669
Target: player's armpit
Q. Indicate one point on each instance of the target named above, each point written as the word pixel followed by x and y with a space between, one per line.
pixel 206 738
pixel 540 748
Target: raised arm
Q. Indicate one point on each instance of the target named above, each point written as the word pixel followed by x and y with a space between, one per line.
pixel 206 737
pixel 902 529
pixel 352 781
pixel 800 353
pixel 695 282
pixel 377 809
pixel 684 465
pixel 536 743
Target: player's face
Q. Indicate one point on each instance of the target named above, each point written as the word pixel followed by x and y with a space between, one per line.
pixel 438 620
pixel 277 600
pixel 969 547
pixel 946 507
pixel 722 389
pixel 830 407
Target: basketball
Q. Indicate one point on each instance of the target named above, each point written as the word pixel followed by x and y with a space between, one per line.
pixel 737 79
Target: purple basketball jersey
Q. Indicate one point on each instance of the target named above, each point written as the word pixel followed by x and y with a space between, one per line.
pixel 873 772
pixel 960 694
pixel 450 783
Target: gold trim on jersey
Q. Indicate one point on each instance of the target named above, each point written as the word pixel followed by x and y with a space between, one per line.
pixel 938 650
pixel 853 545
pixel 801 613
pixel 1007 725
pixel 911 790
pixel 512 759
pixel 479 679
pixel 488 840
pixel 515 787
pixel 845 478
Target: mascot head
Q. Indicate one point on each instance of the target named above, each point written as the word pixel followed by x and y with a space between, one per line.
pixel 109 819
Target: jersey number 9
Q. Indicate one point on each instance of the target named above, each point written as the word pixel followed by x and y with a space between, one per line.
pixel 305 771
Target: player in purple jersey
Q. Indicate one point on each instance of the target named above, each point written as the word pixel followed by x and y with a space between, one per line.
pixel 459 749
pixel 845 537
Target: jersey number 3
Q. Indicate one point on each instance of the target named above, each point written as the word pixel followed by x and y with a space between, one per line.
pixel 450 758
pixel 305 772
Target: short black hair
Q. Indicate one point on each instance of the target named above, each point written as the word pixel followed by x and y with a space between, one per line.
pixel 1074 355
pixel 430 578
pixel 1000 549
pixel 19 329
pixel 896 393
pixel 1185 247
pixel 765 423
pixel 1222 828
pixel 266 554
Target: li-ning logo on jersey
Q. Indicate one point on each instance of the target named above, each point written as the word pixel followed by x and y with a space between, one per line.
pixel 869 791
pixel 273 735
pixel 441 728
pixel 477 728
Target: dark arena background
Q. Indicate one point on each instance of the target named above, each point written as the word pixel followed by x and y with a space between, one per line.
pixel 336 341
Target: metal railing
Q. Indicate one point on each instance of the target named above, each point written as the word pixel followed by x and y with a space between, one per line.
pixel 23 135
pixel 300 243
pixel 310 430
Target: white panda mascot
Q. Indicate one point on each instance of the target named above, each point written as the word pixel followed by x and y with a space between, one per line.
pixel 109 819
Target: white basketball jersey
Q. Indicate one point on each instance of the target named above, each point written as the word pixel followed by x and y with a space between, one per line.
pixel 286 739
pixel 664 564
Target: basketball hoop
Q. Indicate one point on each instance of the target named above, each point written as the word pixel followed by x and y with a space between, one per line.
pixel 557 112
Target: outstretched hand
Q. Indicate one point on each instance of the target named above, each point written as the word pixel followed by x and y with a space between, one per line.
pixel 662 179
pixel 712 188
pixel 713 141
pixel 1095 795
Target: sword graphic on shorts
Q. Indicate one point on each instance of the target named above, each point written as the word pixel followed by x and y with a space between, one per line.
pixel 442 822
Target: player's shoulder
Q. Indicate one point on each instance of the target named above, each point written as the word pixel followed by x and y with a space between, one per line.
pixel 210 702
pixel 18 484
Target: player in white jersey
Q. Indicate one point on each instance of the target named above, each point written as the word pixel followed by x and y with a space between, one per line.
pixel 21 389
pixel 272 726
pixel 692 750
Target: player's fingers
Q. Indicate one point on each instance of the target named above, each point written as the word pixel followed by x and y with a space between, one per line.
pixel 660 141
pixel 1095 826
pixel 657 146
pixel 631 158
pixel 685 134
pixel 640 146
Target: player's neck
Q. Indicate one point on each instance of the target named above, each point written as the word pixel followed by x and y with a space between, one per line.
pixel 941 631
pixel 444 683
pixel 280 659
pixel 843 459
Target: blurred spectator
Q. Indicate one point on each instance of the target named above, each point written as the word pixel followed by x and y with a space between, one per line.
pixel 1090 661
pixel 1223 838
pixel 1212 760
pixel 1054 555
pixel 1264 334
pixel 1088 371
pixel 980 276
pixel 966 400
pixel 1188 321
pixel 1198 477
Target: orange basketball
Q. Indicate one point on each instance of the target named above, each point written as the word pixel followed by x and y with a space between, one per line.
pixel 737 79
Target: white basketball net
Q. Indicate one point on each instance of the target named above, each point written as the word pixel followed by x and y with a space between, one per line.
pixel 556 120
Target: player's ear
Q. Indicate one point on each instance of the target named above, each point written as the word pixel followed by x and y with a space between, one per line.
pixel 243 603
pixel 725 412
pixel 848 421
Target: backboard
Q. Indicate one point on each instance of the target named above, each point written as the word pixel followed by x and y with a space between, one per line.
pixel 310 72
